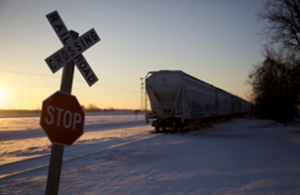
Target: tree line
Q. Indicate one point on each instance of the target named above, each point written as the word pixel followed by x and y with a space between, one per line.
pixel 275 81
pixel 90 108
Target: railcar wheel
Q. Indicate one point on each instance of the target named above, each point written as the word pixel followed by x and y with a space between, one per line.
pixel 175 126
pixel 181 126
pixel 156 126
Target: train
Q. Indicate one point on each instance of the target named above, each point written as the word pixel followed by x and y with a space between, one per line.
pixel 176 98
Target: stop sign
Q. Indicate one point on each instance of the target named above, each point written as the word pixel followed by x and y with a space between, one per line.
pixel 62 118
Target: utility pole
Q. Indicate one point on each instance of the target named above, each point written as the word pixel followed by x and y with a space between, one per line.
pixel 142 87
pixel 283 101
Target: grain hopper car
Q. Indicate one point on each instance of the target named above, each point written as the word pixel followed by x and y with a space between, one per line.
pixel 176 98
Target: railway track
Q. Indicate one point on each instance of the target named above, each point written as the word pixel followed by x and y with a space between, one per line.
pixel 29 165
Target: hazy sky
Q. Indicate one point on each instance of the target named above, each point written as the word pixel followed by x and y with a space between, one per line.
pixel 213 40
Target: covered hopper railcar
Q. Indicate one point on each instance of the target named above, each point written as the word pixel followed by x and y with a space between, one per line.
pixel 177 97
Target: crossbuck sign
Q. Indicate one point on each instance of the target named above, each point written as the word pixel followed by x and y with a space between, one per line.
pixel 72 49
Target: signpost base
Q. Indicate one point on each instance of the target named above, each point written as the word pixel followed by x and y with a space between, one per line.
pixel 54 169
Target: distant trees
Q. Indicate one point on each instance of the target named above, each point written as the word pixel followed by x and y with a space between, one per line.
pixel 275 82
pixel 276 85
pixel 94 108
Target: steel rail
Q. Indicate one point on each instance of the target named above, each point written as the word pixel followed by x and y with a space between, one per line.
pixel 73 158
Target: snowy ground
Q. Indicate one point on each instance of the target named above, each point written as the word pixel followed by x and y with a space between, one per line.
pixel 22 137
pixel 241 156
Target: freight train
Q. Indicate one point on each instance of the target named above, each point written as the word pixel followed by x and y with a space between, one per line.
pixel 177 98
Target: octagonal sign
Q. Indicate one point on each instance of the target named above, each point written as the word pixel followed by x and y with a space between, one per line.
pixel 62 118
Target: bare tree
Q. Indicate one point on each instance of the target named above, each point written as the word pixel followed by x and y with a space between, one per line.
pixel 92 108
pixel 275 82
pixel 275 85
pixel 283 22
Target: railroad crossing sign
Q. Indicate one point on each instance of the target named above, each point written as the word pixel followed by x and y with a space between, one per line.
pixel 62 118
pixel 72 49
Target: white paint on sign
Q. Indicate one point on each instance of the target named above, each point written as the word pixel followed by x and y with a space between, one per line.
pixel 59 27
pixel 85 70
pixel 68 52
pixel 68 118
pixel 60 58
pixel 86 41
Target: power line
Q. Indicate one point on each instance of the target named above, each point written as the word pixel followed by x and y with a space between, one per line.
pixel 115 88
pixel 92 91
pixel 22 84
pixel 24 72
pixel 29 85
pixel 40 74
pixel 20 62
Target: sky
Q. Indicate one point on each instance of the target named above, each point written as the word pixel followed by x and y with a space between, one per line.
pixel 216 41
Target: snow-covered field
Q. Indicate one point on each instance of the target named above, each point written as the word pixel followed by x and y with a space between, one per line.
pixel 242 156
pixel 22 137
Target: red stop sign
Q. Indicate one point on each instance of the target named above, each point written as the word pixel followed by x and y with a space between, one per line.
pixel 62 118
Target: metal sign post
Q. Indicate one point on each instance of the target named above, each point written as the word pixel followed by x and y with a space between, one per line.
pixel 66 57
pixel 58 150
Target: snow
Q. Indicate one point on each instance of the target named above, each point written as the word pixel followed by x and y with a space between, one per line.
pixel 241 156
pixel 20 144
